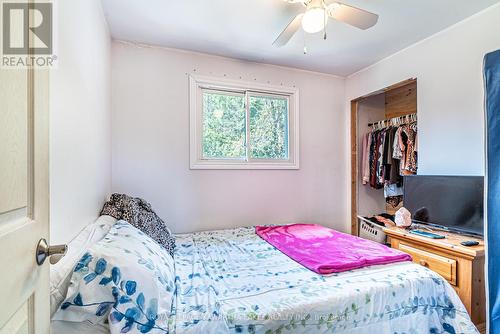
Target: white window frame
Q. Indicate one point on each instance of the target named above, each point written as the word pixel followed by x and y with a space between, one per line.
pixel 199 83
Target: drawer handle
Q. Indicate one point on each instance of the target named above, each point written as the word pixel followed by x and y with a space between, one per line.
pixel 423 263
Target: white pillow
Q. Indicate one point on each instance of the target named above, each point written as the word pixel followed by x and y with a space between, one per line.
pixel 126 278
pixel 60 273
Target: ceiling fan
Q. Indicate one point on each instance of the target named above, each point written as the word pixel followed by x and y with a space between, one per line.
pixel 315 18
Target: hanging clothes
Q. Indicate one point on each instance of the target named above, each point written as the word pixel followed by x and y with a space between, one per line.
pixel 374 151
pixel 380 159
pixel 387 161
pixel 388 154
pixel 365 158
pixel 376 159
pixel 397 152
pixel 408 153
pixel 392 170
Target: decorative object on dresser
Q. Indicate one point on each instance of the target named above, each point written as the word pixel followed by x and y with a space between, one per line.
pixel 461 266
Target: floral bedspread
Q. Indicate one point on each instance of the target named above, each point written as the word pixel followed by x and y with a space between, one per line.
pixel 232 281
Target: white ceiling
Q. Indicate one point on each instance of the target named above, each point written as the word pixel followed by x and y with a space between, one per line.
pixel 245 29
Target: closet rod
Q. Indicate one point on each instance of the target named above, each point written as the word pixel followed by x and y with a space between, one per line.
pixel 409 118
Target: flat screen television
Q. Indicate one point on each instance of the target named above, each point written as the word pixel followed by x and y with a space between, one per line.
pixel 454 203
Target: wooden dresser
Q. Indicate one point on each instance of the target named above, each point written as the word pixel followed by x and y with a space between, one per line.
pixel 462 267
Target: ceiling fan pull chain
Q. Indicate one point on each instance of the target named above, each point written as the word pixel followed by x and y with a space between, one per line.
pixel 325 17
pixel 305 42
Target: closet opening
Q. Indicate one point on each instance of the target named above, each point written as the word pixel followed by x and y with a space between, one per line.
pixel 384 146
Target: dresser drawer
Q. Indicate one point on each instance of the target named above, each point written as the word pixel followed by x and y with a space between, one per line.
pixel 444 266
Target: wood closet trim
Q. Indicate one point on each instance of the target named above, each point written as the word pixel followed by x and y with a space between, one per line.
pixel 354 167
pixel 388 88
pixel 401 101
pixel 412 84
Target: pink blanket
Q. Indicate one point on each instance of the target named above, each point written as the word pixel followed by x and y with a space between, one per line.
pixel 326 251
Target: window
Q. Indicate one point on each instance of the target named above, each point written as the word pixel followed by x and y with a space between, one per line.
pixel 237 125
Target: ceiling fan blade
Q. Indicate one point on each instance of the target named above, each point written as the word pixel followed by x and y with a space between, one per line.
pixel 289 31
pixel 356 17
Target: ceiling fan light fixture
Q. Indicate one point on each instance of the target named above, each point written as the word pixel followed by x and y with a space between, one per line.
pixel 314 20
pixel 317 14
pixel 332 8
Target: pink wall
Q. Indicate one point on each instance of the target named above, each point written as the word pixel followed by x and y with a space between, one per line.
pixel 150 145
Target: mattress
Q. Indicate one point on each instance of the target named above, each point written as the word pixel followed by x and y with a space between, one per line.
pixel 232 281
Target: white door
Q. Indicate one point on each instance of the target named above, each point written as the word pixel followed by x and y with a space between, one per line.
pixel 24 200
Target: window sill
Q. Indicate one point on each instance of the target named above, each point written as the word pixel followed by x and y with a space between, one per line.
pixel 244 165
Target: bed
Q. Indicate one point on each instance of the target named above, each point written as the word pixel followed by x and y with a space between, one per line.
pixel 232 281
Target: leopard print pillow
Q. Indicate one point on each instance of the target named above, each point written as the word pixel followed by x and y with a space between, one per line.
pixel 140 214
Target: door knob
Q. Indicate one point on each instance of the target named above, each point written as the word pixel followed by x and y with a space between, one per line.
pixel 43 250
